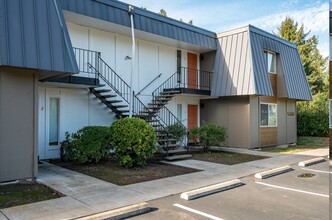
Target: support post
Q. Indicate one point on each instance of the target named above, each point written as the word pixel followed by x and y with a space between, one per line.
pixel 131 14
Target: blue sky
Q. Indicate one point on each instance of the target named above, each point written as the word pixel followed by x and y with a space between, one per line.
pixel 219 15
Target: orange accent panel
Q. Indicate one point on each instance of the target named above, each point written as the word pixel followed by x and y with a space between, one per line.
pixel 192 71
pixel 192 116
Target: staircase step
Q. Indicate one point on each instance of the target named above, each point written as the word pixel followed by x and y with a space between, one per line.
pixel 156 104
pixel 151 121
pixel 170 92
pixel 122 111
pixel 120 106
pixel 112 101
pixel 176 151
pixel 156 125
pixel 109 96
pixel 168 140
pixel 168 146
pixel 102 90
pixel 178 157
pixel 164 96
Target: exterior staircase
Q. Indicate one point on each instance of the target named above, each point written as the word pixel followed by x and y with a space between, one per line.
pixel 115 94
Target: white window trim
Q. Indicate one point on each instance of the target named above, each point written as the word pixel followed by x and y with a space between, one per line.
pixel 260 113
pixel 275 63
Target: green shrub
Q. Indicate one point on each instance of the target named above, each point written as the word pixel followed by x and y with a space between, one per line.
pixel 177 131
pixel 66 150
pixel 313 117
pixel 209 135
pixel 313 124
pixel 134 141
pixel 89 144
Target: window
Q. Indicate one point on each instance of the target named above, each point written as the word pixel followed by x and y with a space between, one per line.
pixel 54 121
pixel 268 115
pixel 271 62
pixel 179 112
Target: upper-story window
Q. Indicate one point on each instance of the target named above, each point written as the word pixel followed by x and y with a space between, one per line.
pixel 271 62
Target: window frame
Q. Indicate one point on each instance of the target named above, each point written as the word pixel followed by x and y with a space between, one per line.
pixel 274 57
pixel 260 115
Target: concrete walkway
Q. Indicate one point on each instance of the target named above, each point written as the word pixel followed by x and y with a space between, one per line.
pixel 87 195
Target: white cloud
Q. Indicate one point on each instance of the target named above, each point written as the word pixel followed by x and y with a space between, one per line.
pixel 315 18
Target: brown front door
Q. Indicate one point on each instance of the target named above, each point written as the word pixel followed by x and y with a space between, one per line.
pixel 192 118
pixel 192 71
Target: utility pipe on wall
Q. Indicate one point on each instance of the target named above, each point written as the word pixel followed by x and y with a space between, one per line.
pixel 131 13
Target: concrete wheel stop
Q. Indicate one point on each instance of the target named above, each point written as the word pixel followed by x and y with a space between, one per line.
pixel 193 194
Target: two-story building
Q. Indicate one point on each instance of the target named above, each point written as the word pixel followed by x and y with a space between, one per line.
pixel 66 64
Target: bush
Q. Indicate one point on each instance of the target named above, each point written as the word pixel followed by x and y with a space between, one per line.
pixel 313 124
pixel 134 141
pixel 89 144
pixel 209 135
pixel 313 117
pixel 177 131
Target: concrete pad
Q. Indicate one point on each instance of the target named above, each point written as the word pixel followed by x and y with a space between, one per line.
pixel 124 212
pixel 3 217
pixel 61 208
pixel 321 152
pixel 273 172
pixel 67 181
pixel 211 189
pixel 311 162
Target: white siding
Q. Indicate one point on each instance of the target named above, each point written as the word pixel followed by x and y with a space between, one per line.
pixel 78 108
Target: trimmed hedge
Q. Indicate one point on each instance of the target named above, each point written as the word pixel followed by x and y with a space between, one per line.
pixel 134 141
pixel 89 144
pixel 313 124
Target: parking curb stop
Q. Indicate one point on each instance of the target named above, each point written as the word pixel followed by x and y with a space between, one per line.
pixel 273 172
pixel 193 194
pixel 120 213
pixel 311 162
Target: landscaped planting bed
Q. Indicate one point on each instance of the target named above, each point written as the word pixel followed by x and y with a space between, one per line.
pixel 25 193
pixel 112 172
pixel 226 158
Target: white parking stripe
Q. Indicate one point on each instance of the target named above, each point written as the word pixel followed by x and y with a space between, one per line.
pixel 295 190
pixel 317 171
pixel 197 212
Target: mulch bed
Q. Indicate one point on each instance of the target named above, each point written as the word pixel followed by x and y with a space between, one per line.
pixel 222 157
pixel 112 172
pixel 25 193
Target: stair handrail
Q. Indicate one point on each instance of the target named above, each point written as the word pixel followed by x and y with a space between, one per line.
pixel 112 79
pixel 149 84
pixel 151 114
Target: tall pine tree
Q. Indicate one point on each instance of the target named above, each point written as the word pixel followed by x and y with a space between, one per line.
pixel 314 63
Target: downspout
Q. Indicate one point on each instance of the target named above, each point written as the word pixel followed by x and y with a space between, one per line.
pixel 131 13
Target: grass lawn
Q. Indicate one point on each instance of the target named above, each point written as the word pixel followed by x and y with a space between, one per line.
pixel 25 193
pixel 226 158
pixel 112 172
pixel 303 143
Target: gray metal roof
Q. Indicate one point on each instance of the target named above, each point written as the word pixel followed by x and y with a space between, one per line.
pixel 240 67
pixel 33 34
pixel 117 12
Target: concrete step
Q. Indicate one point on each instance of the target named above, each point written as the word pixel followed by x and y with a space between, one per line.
pixel 175 151
pixel 178 157
pixel 168 146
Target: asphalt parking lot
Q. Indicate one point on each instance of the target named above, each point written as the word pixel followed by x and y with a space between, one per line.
pixel 285 196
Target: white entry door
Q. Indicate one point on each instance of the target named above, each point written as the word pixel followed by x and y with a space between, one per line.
pixel 49 126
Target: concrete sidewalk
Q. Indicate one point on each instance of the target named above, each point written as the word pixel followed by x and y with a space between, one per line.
pixel 87 195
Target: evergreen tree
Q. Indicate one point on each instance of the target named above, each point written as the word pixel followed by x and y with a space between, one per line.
pixel 162 12
pixel 313 62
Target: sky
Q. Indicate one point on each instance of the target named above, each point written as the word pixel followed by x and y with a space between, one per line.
pixel 220 15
